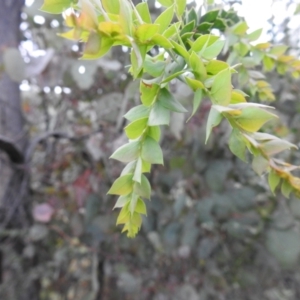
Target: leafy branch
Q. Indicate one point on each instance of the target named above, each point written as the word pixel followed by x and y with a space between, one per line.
pixel 188 52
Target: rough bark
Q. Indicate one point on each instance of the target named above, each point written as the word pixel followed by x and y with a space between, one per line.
pixel 12 135
pixel 16 277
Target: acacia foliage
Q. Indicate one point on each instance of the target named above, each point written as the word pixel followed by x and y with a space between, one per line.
pixel 191 53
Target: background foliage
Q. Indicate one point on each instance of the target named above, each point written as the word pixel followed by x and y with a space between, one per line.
pixel 214 230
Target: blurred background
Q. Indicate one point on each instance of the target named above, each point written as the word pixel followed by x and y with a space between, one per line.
pixel 214 230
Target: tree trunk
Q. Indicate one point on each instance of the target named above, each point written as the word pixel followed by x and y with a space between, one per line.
pixel 16 278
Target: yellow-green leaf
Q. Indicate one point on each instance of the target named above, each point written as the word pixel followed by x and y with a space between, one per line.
pixel 154 132
pixel 221 88
pixel 96 46
pixel 165 19
pixel 148 92
pixel 136 128
pixel 194 84
pixel 253 118
pixel 146 32
pixel 214 119
pixel 197 66
pixel 144 12
pixel 56 6
pixel 240 28
pixel 122 186
pixel 141 207
pixel 216 66
pixel 273 180
pixel 204 41
pixel 198 96
pixel 111 6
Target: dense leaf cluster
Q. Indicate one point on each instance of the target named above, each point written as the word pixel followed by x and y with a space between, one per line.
pixel 189 52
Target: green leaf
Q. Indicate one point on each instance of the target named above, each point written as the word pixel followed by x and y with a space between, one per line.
pixel 216 66
pixel 154 132
pixel 273 180
pixel 276 146
pixel 220 24
pixel 138 54
pixel 172 30
pixel 180 7
pixel 127 152
pixel 194 84
pixel 188 28
pixel 192 16
pixel 122 201
pixel 165 19
pixel 240 28
pixel 205 27
pixel 122 186
pixel 286 188
pixel 242 48
pixel 129 168
pixel 138 170
pixel 146 32
pixel 151 151
pixel 203 41
pixel 198 96
pixel 146 167
pixel 297 10
pixel 148 92
pixel 260 164
pixel 159 115
pixel 166 99
pixel 237 97
pixel 137 112
pixel 56 6
pixel 262 136
pixel 213 51
pixel 252 118
pixel 136 221
pixel 113 31
pixel 143 189
pixel 278 50
pixel 133 202
pixel 144 12
pixel 111 6
pixel 221 88
pixel 237 144
pixel 172 76
pixel 214 119
pixel 125 17
pixel 197 66
pixel 96 46
pixel 180 50
pixel 154 68
pixel 166 3
pixel 141 207
pixel 210 16
pixel 160 40
pixel 255 35
pixel 269 63
pixel 136 128
pixel 124 215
